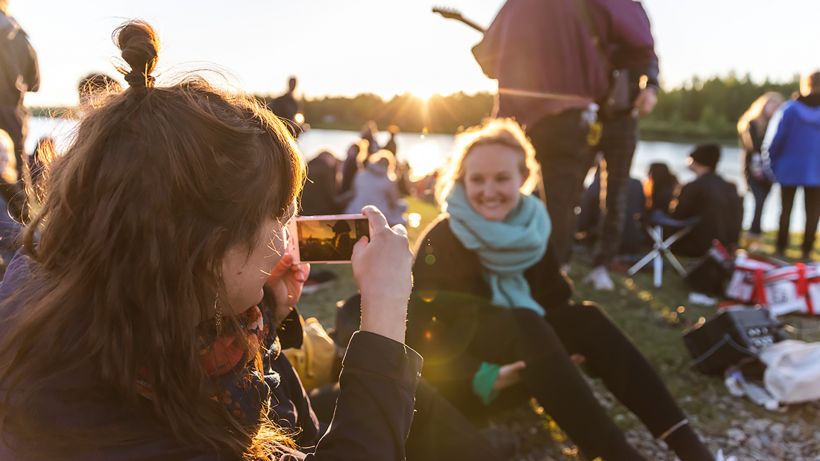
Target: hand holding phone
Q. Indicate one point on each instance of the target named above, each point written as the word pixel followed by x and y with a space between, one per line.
pixel 382 266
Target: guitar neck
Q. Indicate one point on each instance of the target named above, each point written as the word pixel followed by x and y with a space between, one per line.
pixel 472 25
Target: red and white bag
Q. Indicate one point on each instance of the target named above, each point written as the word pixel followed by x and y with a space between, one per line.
pixel 792 289
pixel 746 285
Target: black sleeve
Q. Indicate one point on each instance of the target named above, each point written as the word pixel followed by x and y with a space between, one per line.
pixel 376 400
pixel 686 202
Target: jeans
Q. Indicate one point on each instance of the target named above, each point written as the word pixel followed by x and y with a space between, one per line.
pixel 812 199
pixel 561 148
pixel 760 190
pixel 618 141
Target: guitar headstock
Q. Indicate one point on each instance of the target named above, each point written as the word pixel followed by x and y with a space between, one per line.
pixel 449 13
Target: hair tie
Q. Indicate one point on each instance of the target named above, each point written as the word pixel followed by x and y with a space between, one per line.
pixel 139 79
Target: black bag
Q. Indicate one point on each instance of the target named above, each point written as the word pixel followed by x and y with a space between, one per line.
pixel 735 335
pixel 710 273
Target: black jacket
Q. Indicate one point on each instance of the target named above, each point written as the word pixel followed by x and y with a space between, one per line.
pixel 716 202
pixel 19 71
pixel 448 288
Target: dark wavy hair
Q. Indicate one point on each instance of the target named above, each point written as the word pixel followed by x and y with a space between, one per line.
pixel 137 215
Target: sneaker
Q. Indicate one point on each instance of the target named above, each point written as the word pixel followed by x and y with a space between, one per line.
pixel 600 279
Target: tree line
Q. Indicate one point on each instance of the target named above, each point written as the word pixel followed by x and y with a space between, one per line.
pixel 699 109
pixel 696 110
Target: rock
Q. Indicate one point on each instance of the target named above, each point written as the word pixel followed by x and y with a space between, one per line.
pixel 736 435
pixel 777 430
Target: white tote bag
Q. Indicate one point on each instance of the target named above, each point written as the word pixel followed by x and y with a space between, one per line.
pixel 792 371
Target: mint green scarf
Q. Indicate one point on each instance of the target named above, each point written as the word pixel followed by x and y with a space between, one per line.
pixel 506 248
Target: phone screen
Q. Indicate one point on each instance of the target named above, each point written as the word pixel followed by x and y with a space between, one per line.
pixel 329 239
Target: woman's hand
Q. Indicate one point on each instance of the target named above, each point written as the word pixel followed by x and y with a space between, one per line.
pixel 508 375
pixel 286 280
pixel 382 267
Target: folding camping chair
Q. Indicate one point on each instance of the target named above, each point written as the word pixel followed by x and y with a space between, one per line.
pixel 659 221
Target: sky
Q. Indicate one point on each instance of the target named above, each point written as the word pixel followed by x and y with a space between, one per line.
pixel 387 47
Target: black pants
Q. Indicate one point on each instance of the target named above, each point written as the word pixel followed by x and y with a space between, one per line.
pixel 550 376
pixel 13 121
pixel 760 191
pixel 618 141
pixel 561 148
pixel 812 199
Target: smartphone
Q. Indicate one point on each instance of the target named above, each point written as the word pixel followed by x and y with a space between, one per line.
pixel 326 239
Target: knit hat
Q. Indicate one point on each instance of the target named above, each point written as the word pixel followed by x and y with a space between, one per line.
pixel 706 155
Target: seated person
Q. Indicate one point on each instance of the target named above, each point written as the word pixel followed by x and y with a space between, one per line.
pixel 633 238
pixel 660 187
pixel 376 184
pixel 493 312
pixel 713 200
pixel 125 329
pixel 9 228
pixel 320 196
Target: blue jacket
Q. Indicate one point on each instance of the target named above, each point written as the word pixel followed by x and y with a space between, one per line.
pixel 794 150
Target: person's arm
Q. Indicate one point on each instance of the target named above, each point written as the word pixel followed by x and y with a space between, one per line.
pixel 776 132
pixel 375 405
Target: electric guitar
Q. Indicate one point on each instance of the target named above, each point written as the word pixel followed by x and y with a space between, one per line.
pixel 450 13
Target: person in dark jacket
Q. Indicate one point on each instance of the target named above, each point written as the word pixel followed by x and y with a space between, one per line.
pixel 286 107
pixel 713 200
pixel 793 147
pixel 491 310
pixel 320 196
pixel 751 129
pixel 19 74
pixel 550 69
pixel 131 330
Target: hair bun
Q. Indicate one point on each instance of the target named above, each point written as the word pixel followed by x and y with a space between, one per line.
pixel 140 47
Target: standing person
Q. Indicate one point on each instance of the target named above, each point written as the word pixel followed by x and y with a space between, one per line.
pixel 793 147
pixel 125 329
pixel 287 107
pixel 713 200
pixel 618 141
pixel 751 128
pixel 19 73
pixel 549 72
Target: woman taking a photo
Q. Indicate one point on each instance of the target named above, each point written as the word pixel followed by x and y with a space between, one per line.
pixel 492 312
pixel 130 329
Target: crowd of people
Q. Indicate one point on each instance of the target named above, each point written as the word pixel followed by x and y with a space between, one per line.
pixel 148 293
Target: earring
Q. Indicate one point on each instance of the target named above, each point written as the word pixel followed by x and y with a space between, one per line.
pixel 217 315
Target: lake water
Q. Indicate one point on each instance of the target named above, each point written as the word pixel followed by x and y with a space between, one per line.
pixel 428 152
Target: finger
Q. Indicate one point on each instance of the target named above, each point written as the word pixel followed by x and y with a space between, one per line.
pixel 302 271
pixel 378 223
pixel 520 365
pixel 359 247
pixel 400 229
pixel 281 267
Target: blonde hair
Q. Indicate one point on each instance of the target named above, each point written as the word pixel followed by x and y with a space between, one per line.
pixel 9 173
pixel 756 112
pixel 503 131
pixel 388 158
pixel 810 83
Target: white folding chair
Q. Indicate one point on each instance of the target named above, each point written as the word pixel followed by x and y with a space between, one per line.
pixel 658 221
